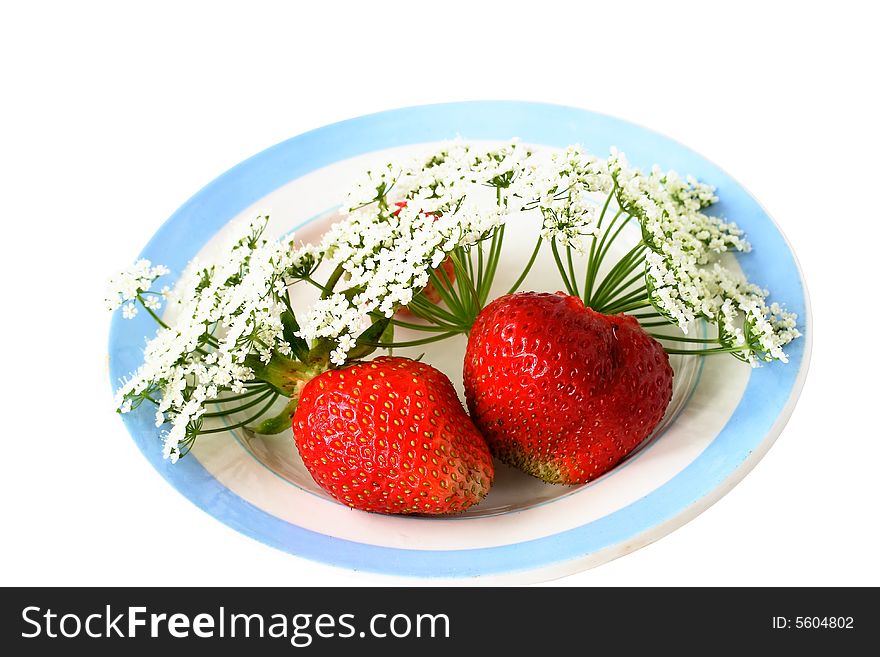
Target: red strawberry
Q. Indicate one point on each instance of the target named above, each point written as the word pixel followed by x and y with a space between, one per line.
pixel 430 290
pixel 391 436
pixel 561 391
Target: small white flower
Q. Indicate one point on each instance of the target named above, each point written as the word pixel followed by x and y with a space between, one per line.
pixel 129 311
pixel 337 356
pixel 225 311
pixel 129 284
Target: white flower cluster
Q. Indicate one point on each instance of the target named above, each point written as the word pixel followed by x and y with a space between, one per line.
pixel 684 278
pixel 134 284
pixel 684 291
pixel 566 193
pixel 400 225
pixel 388 250
pixel 668 209
pixel 226 313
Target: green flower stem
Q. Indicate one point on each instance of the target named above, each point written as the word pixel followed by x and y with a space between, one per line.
pixel 676 338
pixel 654 324
pixel 626 265
pixel 621 270
pixel 590 275
pixel 492 266
pixel 253 391
pixel 528 268
pixel 702 352
pixel 608 295
pixel 250 420
pixel 243 407
pixel 446 290
pixel 605 243
pixel 635 305
pixel 310 280
pixel 331 282
pixel 571 273
pixel 152 314
pixel 559 265
pixel 464 295
pixel 430 312
pixel 466 286
pixel 480 265
pixel 596 260
pixel 209 339
pixel 411 343
pixel 436 327
pixel 629 297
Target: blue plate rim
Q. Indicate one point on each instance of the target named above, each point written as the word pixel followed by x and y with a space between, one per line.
pixel 765 405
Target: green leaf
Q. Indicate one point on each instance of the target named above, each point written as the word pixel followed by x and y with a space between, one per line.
pixel 299 346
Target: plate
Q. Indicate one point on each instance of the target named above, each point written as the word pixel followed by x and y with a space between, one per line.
pixel 723 418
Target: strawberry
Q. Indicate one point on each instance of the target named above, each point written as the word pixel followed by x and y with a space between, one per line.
pixel 391 436
pixel 430 290
pixel 560 391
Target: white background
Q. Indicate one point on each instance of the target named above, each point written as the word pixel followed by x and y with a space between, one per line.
pixel 113 115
